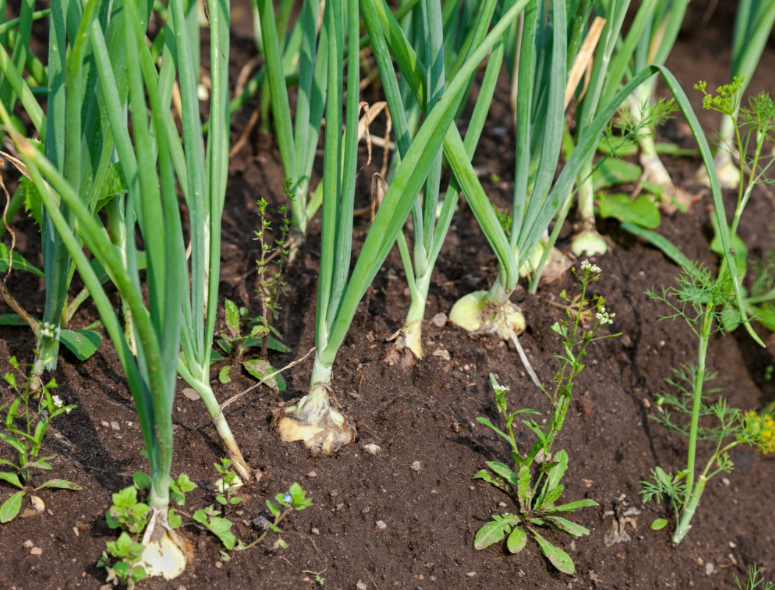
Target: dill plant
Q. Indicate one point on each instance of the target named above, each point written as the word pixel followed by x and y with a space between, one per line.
pixel 753 25
pixel 702 303
pixel 536 490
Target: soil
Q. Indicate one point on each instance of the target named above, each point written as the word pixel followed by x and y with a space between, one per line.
pixel 427 413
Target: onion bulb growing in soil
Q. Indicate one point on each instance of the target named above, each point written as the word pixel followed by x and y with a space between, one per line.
pixel 313 421
pixel 488 311
pixel 165 552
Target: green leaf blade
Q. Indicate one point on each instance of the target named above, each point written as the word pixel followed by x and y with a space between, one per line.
pixel 555 555
pixel 10 508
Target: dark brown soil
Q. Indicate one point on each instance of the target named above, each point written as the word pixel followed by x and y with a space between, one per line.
pixel 426 414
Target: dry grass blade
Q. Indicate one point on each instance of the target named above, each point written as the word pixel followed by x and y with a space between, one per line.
pixel 10 301
pixel 583 59
pixel 243 138
pixel 234 398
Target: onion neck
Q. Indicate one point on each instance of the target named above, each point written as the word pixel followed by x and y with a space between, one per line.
pixel 497 294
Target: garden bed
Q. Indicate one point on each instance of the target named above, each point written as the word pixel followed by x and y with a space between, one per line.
pixel 426 413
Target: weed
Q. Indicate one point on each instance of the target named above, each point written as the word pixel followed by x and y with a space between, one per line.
pixel 537 493
pixel 26 422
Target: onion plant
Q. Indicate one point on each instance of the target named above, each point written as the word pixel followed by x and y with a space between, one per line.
pixel 312 419
pixel 605 77
pixel 659 34
pixel 76 140
pixel 298 142
pixel 753 25
pixel 202 172
pixel 532 216
pixel 430 225
pixel 299 57
pixel 152 207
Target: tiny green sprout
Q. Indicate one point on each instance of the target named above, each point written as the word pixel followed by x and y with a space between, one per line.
pixel 294 499
pixel 210 518
pixel 320 580
pixel 228 484
pixel 127 567
pixel 223 374
pixel 272 284
pixel 754 582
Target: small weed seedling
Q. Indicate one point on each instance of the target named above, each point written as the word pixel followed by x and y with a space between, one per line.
pixel 537 492
pixel 238 340
pixel 26 422
pixel 271 284
pixel 228 485
pixel 212 519
pixel 294 499
pixel 754 581
pixel 702 303
pixel 123 558
pixel 243 332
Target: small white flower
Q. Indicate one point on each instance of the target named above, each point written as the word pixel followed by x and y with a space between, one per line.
pixel 49 330
pixel 587 265
pixel 604 317
pixel 501 388
pixel 57 401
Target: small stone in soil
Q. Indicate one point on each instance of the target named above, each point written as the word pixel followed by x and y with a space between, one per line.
pixel 442 354
pixel 585 406
pixel 115 426
pixel 105 424
pixel 372 449
pixel 471 574
pixel 262 523
pixel 191 393
pixel 28 544
pixel 725 481
pixel 381 526
pixel 315 531
pixel 416 466
pixel 361 586
pixel 312 474
pixel 709 568
pixel 36 551
pixel 439 320
pixel 218 564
